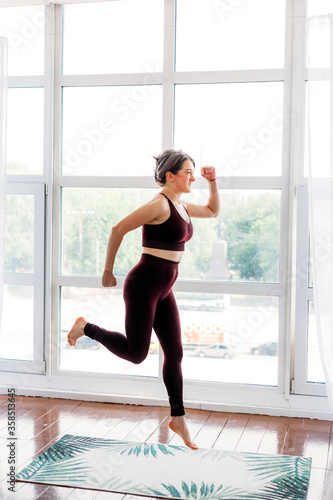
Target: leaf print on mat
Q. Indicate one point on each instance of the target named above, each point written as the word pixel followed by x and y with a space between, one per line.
pixel 274 467
pixel 151 449
pixel 196 492
pixel 219 455
pixel 287 488
pixel 67 448
pixel 69 470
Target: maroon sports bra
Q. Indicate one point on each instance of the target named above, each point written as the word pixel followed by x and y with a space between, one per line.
pixel 171 234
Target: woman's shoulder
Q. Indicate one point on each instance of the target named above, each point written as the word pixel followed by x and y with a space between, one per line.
pixel 160 200
pixel 159 208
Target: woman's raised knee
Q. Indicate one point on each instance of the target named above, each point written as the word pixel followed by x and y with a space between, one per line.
pixel 138 357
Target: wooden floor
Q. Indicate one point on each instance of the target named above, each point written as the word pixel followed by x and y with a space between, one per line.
pixel 42 421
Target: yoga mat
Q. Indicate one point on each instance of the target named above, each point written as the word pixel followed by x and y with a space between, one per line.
pixel 160 470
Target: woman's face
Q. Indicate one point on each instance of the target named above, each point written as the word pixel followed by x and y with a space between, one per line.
pixel 184 177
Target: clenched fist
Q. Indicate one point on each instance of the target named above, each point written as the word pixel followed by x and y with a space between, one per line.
pixel 208 173
pixel 108 279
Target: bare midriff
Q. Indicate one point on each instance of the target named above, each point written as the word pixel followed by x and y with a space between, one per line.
pixel 174 256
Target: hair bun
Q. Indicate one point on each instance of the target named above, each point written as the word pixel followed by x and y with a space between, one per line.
pixel 169 160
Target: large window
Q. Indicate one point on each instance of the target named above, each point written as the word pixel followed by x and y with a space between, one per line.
pixel 22 327
pixel 95 91
pixel 309 374
pixel 145 97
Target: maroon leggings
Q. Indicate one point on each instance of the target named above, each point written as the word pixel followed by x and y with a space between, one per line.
pixel 150 303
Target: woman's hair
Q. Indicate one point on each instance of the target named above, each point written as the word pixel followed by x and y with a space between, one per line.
pixel 169 160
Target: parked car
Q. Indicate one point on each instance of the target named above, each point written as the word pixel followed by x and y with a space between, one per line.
pixel 268 349
pixel 201 305
pixel 216 351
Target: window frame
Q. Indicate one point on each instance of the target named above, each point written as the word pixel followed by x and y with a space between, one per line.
pixel 304 296
pixel 303 292
pixel 34 279
pixel 287 395
pixel 169 78
pixel 38 186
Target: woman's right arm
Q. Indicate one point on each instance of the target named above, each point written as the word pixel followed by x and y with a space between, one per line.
pixel 115 239
pixel 143 215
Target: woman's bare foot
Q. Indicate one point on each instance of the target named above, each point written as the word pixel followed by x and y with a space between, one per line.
pixel 178 425
pixel 77 331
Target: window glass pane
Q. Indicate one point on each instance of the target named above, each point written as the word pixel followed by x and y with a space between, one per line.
pixel 319 46
pixel 19 233
pixel 225 35
pixel 24 29
pixel 87 217
pixel 230 338
pixel 315 372
pixel 319 7
pixel 237 127
pixel 240 332
pixel 111 130
pixel 318 118
pixel 16 334
pixel 25 131
pixel 242 244
pixel 113 37
pixel 104 307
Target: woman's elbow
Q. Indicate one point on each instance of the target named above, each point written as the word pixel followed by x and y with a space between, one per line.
pixel 118 230
pixel 215 212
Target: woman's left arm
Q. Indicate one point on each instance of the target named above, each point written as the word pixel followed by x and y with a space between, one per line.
pixel 212 208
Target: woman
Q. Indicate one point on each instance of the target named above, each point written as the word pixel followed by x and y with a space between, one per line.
pixel 149 299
